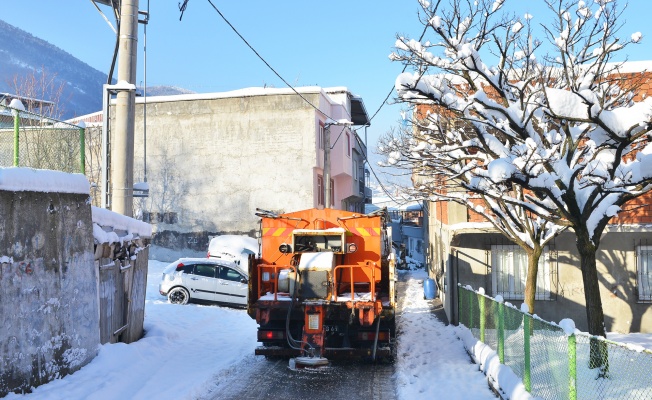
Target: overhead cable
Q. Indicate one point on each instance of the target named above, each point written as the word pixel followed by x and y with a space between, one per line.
pixel 182 8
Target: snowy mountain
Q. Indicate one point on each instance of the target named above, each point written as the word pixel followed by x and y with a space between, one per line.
pixel 22 53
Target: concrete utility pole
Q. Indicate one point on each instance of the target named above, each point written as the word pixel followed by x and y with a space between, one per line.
pixel 122 154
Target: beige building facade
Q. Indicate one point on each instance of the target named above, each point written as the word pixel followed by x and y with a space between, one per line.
pixel 213 159
pixel 475 254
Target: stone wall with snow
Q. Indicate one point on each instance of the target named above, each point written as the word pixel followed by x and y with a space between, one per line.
pixel 48 283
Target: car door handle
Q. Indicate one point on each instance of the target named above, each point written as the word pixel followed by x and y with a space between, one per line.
pixel 223 283
pixel 194 279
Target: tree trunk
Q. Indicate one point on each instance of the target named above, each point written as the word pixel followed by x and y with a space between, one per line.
pixel 594 313
pixel 533 256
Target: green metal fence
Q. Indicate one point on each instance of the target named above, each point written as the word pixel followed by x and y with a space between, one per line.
pixel 551 363
pixel 32 140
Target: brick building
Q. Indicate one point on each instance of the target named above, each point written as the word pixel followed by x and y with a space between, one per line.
pixel 462 247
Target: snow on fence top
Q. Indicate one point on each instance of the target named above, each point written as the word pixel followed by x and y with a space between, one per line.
pixel 103 218
pixel 20 179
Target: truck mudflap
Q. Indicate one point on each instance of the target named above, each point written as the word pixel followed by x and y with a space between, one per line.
pixel 329 352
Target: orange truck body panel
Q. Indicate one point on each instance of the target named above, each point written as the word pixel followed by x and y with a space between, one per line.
pixel 324 309
pixel 278 231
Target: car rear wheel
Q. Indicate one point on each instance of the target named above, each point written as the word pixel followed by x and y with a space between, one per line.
pixel 178 295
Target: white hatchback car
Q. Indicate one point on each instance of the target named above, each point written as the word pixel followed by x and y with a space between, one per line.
pixel 207 279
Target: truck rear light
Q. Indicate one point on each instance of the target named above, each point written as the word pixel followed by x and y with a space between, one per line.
pixel 270 335
pixel 382 336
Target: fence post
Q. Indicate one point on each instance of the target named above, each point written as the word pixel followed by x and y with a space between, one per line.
pixel 572 367
pixel 527 380
pixel 16 136
pixel 483 317
pixel 82 150
pixel 501 332
pixel 460 300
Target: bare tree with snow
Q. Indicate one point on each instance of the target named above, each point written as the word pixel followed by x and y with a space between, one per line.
pixel 440 166
pixel 566 127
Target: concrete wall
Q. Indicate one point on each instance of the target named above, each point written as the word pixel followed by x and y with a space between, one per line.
pixel 470 265
pixel 213 161
pixel 224 157
pixel 439 254
pixel 48 288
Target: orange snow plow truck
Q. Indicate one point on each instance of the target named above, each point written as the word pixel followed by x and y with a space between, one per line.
pixel 324 285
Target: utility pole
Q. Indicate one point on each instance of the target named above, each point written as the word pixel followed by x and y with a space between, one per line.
pixel 122 165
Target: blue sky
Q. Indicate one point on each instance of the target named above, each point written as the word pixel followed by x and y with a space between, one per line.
pixel 328 43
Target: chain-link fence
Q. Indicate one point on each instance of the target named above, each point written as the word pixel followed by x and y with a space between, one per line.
pixel 551 363
pixel 31 140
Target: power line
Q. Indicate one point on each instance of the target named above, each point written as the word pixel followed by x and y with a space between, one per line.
pixel 263 60
pixel 299 94
pixel 392 89
pixel 389 195
pixel 372 117
pixel 182 8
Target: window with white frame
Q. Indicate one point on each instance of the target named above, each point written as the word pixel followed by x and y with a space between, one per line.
pixel 509 273
pixel 644 273
pixel 348 144
pixel 320 190
pixel 332 193
pixel 321 137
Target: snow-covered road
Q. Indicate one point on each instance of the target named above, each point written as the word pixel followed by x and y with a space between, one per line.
pixel 186 348
pixel 432 362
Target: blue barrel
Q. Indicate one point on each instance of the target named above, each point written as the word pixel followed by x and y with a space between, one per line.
pixel 429 289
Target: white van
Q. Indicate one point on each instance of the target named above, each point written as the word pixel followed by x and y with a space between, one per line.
pixel 234 248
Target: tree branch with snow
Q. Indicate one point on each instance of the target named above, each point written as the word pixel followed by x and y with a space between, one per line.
pixel 560 137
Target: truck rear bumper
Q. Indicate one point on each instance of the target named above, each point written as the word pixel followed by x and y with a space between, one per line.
pixel 330 353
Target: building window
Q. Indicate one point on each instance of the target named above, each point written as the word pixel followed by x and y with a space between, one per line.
pixel 416 246
pixel 321 135
pixel 355 170
pixel 509 273
pixel 160 217
pixel 320 190
pixel 644 273
pixel 170 217
pixel 348 144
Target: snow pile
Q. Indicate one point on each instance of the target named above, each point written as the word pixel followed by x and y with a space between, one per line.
pixel 107 224
pixel 20 179
pixel 501 377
